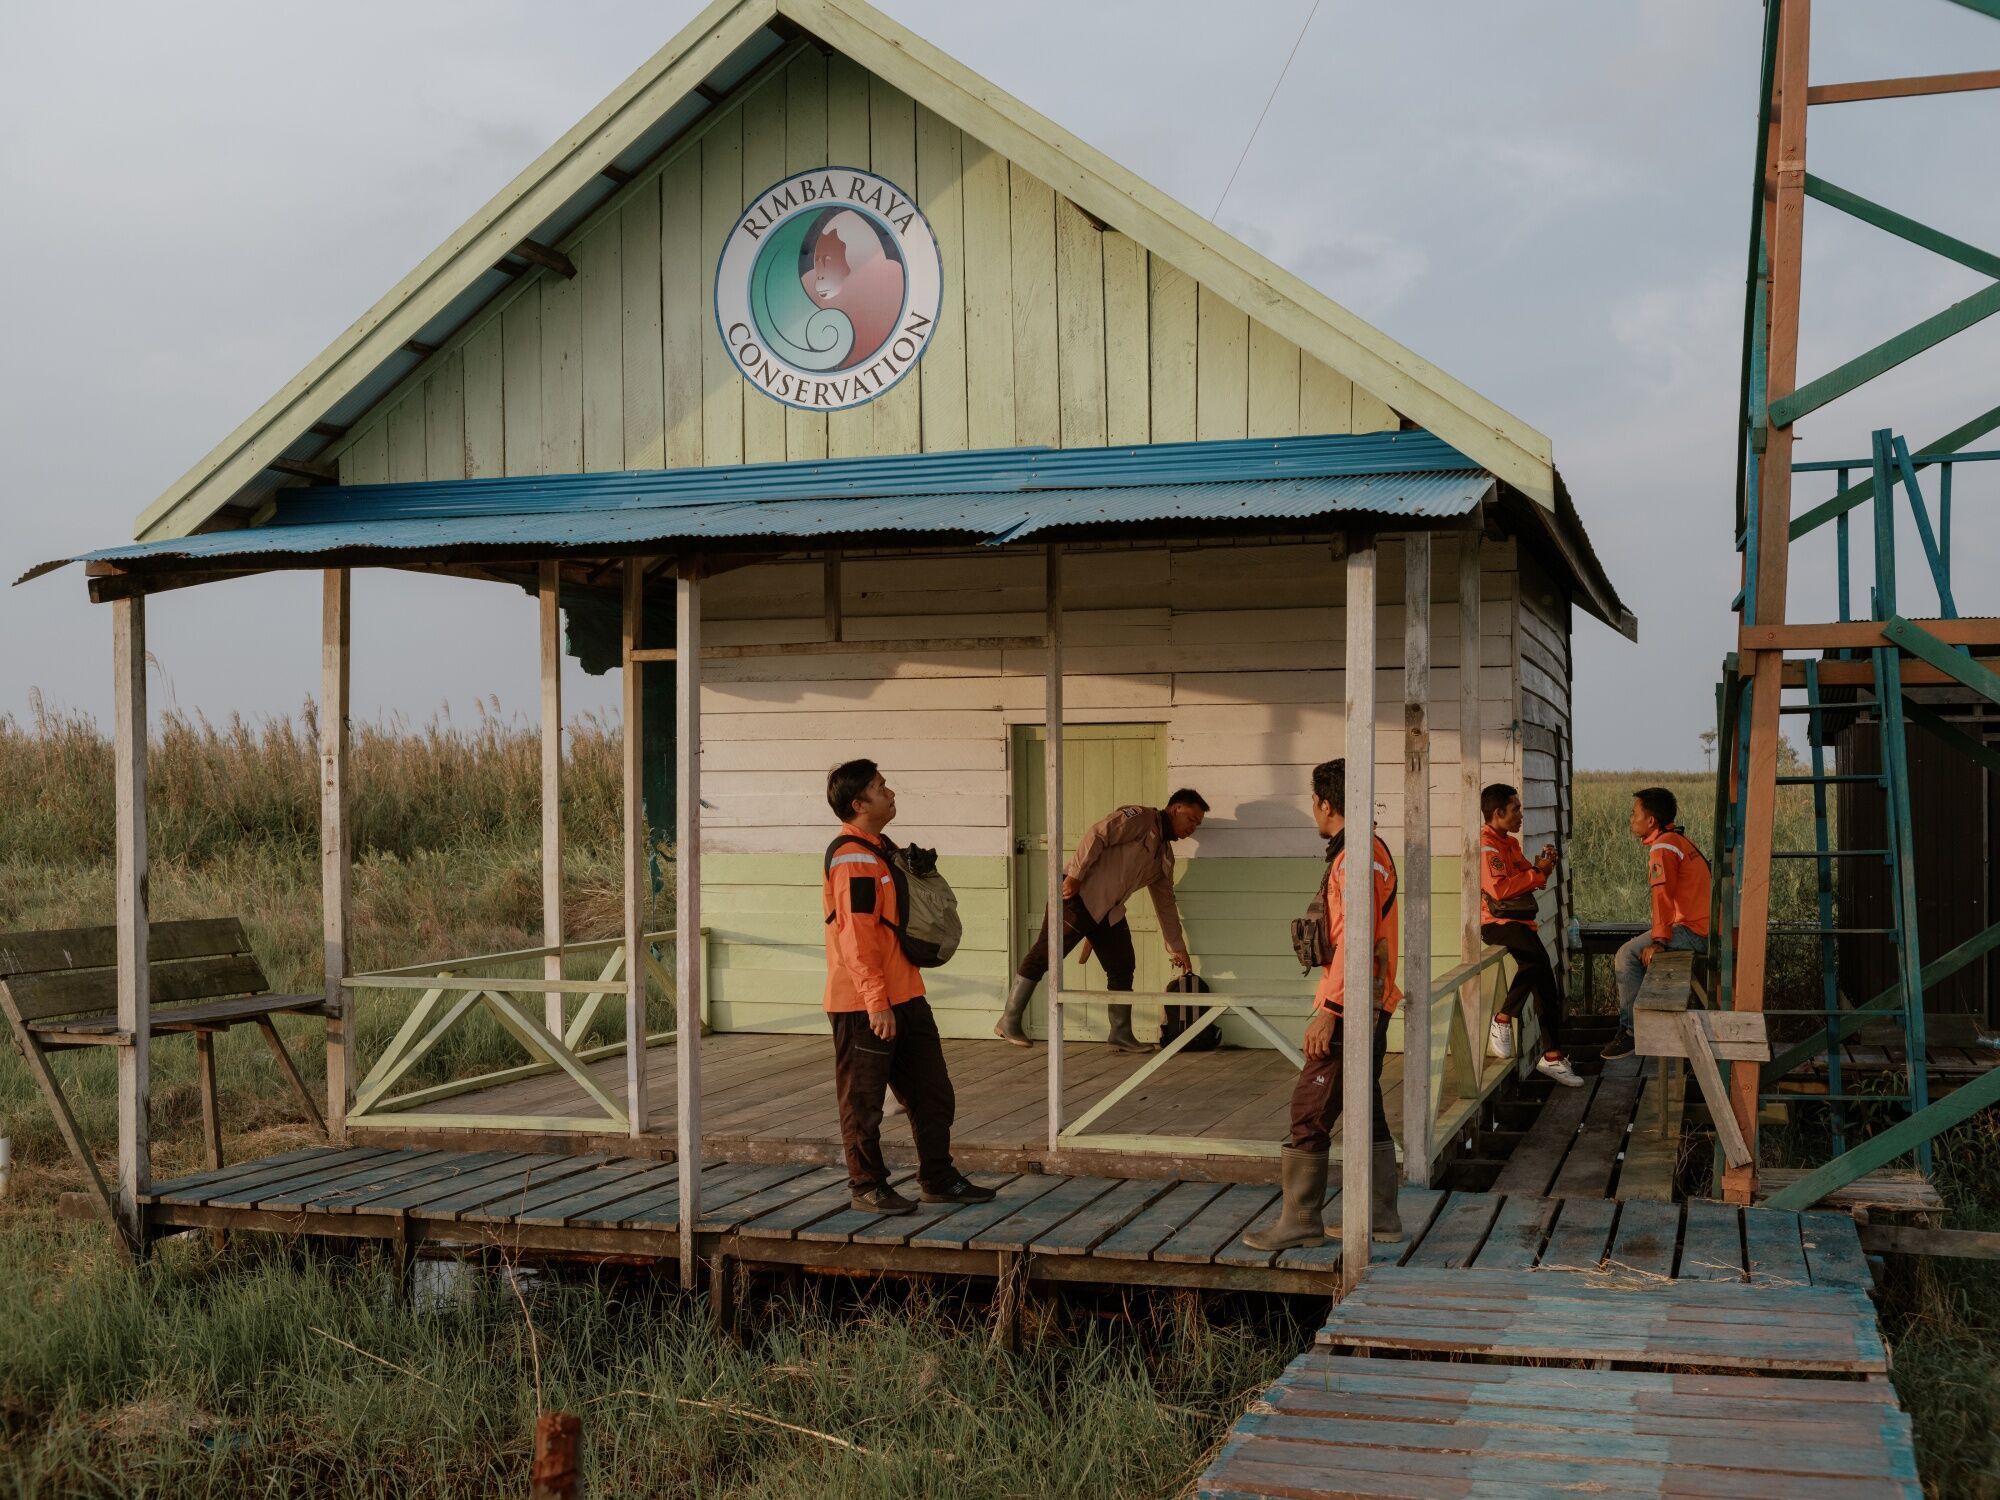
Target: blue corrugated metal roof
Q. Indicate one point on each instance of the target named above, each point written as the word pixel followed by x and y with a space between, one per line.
pixel 993 498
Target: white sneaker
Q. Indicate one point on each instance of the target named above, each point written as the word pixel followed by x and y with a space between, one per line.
pixel 1559 1069
pixel 1500 1039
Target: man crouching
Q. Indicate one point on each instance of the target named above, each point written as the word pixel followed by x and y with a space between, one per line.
pixel 1317 1097
pixel 884 1036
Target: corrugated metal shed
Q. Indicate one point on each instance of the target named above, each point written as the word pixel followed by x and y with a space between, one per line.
pixel 991 498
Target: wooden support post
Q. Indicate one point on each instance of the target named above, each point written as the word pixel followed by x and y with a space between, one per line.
pixel 211 1105
pixel 637 838
pixel 1471 775
pixel 556 1471
pixel 1357 956
pixel 832 599
pixel 336 709
pixel 1785 224
pixel 1418 1109
pixel 1052 751
pixel 687 903
pixel 128 660
pixel 552 822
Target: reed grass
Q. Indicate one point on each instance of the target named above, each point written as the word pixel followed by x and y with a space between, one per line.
pixel 261 1372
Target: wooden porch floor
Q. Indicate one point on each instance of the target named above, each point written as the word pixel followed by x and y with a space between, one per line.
pixel 1101 1229
pixel 769 1098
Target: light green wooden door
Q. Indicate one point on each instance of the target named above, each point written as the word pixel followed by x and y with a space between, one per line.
pixel 1105 766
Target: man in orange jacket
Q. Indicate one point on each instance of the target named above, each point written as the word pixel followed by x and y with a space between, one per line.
pixel 1507 880
pixel 1677 875
pixel 884 1036
pixel 1318 1096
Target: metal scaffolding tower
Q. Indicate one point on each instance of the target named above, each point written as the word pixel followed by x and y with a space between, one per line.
pixel 1875 659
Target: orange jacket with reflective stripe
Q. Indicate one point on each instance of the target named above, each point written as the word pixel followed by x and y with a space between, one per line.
pixel 1678 875
pixel 1505 871
pixel 1333 980
pixel 866 968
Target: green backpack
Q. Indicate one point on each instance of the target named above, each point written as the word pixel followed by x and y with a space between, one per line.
pixel 930 930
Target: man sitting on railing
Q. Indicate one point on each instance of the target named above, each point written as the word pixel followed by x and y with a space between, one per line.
pixel 884 1036
pixel 1677 872
pixel 1507 886
pixel 1318 1096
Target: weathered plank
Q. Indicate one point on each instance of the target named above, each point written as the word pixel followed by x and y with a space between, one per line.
pixel 1518 1234
pixel 1019 1229
pixel 1082 1230
pixel 1533 1166
pixel 1461 1229
pixel 1774 1251
pixel 1833 1250
pixel 1663 1323
pixel 953 1232
pixel 1647 1236
pixel 1151 1227
pixel 1221 1221
pixel 1592 1162
pixel 1581 1235
pixel 1417 1207
pixel 185 1189
pixel 1712 1243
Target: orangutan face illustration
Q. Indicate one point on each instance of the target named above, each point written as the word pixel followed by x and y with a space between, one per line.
pixel 851 272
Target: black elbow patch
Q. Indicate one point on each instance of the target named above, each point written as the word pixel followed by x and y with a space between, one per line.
pixel 861 893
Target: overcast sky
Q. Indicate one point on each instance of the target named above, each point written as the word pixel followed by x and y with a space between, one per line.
pixel 1548 198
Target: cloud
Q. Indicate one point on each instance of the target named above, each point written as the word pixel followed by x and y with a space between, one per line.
pixel 1364 269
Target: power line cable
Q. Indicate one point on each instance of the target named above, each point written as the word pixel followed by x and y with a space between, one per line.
pixel 1297 41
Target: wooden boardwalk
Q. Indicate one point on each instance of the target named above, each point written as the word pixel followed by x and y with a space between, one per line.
pixel 1640 1386
pixel 769 1098
pixel 1128 1231
pixel 1604 1140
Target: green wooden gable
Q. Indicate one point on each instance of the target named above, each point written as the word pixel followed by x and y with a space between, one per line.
pixel 1081 306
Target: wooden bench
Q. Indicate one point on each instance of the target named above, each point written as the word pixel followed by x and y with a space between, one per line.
pixel 59 989
pixel 1665 1026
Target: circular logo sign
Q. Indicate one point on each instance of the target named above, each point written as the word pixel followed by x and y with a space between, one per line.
pixel 827 291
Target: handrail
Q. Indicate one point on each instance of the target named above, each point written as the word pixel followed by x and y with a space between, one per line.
pixel 1453 980
pixel 518 955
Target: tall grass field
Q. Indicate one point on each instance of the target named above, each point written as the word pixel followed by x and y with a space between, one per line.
pixel 265 1368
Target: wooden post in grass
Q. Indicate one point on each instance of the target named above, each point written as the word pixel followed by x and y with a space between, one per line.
pixel 552 823
pixel 1418 1111
pixel 687 902
pixel 1357 949
pixel 336 844
pixel 557 1470
pixel 128 661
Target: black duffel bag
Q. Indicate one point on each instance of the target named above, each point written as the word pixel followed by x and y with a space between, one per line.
pixel 1179 1018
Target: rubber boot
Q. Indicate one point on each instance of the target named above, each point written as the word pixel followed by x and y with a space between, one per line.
pixel 1384 1179
pixel 1303 1176
pixel 1008 1028
pixel 1121 1031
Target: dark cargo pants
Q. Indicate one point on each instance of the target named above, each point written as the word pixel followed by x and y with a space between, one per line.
pixel 1317 1097
pixel 865 1068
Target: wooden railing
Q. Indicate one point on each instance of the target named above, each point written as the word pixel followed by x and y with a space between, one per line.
pixel 1472 1006
pixel 451 989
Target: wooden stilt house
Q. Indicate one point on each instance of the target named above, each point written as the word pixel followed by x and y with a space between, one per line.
pixel 875 414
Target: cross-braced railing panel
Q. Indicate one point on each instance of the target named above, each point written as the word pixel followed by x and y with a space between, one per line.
pixel 450 990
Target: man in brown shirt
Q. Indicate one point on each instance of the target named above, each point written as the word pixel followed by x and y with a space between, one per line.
pixel 1131 848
